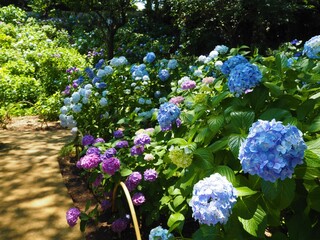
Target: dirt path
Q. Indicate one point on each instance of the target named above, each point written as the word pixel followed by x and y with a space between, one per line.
pixel 33 197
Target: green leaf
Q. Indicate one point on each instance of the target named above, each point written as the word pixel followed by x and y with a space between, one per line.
pixel 275 113
pixel 206 232
pixel 314 198
pixel 234 143
pixel 178 200
pixel 299 227
pixel 274 89
pixel 305 108
pixel 218 145
pixel 312 159
pixel 242 120
pixel 227 172
pixel 202 134
pixel 257 224
pixel 215 101
pixel 315 125
pixel 175 220
pixel 314 146
pixel 215 123
pixel 125 172
pixel 306 172
pixel 177 141
pixel 245 208
pixel 244 191
pixel 204 157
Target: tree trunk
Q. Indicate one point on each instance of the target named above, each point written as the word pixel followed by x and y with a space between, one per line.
pixel 110 43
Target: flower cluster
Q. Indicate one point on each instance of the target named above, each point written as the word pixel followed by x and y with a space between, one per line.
pixel 150 57
pixel 138 199
pixel 142 139
pixel 110 165
pixel 231 63
pixel 168 114
pixel 180 158
pixel 119 225
pixel 243 77
pixel 163 74
pixel 160 233
pixel 133 180
pixel 272 150
pixel 150 175
pixel 212 200
pixel 72 216
pixel 89 161
pixel 312 47
pixel 188 84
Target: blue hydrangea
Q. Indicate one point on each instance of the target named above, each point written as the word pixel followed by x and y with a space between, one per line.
pixel 164 74
pixel 312 47
pixel 75 97
pixel 108 70
pixel 272 150
pixel 168 114
pixel 172 64
pixel 150 57
pixel 103 102
pixel 99 64
pixel 77 107
pixel 243 77
pixel 212 200
pixel 89 72
pixel 228 65
pixel 222 49
pixel 160 233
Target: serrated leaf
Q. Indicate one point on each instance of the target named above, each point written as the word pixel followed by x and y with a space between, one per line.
pixel 177 141
pixel 227 172
pixel 312 159
pixel 203 132
pixel 314 146
pixel 244 191
pixel 215 101
pixel 175 219
pixel 245 208
pixel 257 224
pixel 215 123
pixel 242 120
pixel 306 172
pixel 315 125
pixel 125 172
pixel 275 113
pixel 218 145
pixel 178 200
pixel 234 143
pixel 204 157
pixel 206 232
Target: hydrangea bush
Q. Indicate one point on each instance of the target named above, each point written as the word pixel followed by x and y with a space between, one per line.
pixel 227 147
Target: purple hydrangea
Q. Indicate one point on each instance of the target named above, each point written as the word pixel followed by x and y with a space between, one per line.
pixel 142 139
pixel 231 63
pixel 160 233
pixel 188 84
pixel 272 150
pixel 243 77
pixel 118 134
pixel 133 180
pixel 168 114
pixel 105 204
pixel 89 161
pixel 98 180
pixel 110 165
pixel 99 140
pixel 119 225
pixel 110 152
pixel 137 150
pixel 163 74
pixel 87 140
pixel 93 150
pixel 122 144
pixel 312 47
pixel 72 216
pixel 138 199
pixel 150 175
pixel 212 200
pixel 177 100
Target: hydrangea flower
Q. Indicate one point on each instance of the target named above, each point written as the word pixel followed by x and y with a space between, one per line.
pixel 142 139
pixel 118 134
pixel 150 175
pixel 122 144
pixel 89 161
pixel 272 150
pixel 87 140
pixel 137 150
pixel 222 49
pixel 208 80
pixel 148 157
pixel 231 63
pixel 133 180
pixel 99 64
pixel 72 216
pixel 119 225
pixel 138 199
pixel 168 114
pixel 110 152
pixel 213 54
pixel 99 140
pixel 189 84
pixel 160 233
pixel 75 97
pixel 177 100
pixel 212 200
pixel 243 77
pixel 312 47
pixel 110 165
pixel 98 180
pixel 93 150
pixel 180 158
pixel 150 57
pixel 172 64
pixel 164 74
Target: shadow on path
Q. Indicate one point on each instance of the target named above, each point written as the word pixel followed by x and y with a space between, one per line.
pixel 33 197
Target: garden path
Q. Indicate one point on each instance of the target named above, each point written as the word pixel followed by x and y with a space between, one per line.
pixel 33 197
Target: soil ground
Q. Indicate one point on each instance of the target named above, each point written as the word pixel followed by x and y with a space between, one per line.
pixel 33 196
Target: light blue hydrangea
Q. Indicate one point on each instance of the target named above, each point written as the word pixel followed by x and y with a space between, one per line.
pixel 101 73
pixel 103 102
pixel 85 100
pixel 172 64
pixel 228 65
pixel 222 49
pixel 77 107
pixel 163 74
pixel 141 101
pixel 160 233
pixel 212 200
pixel 272 150
pixel 116 62
pixel 243 77
pixel 312 47
pixel 75 97
pixel 64 109
pixel 150 57
pixel 67 101
pixel 108 70
pixel 168 114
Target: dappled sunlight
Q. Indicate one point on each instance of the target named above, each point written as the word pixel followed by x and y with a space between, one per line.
pixel 33 197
